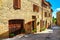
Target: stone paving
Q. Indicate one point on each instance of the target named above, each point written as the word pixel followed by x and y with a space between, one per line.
pixel 55 35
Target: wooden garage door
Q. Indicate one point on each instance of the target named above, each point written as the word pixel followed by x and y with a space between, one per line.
pixel 16 26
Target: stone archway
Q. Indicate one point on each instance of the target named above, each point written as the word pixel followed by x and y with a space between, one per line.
pixel 16 26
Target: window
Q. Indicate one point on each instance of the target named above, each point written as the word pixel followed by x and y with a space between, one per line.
pixel 35 8
pixel 33 17
pixel 45 14
pixel 16 4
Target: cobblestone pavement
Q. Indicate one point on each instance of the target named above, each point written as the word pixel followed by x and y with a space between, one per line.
pixel 42 36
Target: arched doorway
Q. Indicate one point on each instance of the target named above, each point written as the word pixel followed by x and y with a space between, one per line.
pixel 16 26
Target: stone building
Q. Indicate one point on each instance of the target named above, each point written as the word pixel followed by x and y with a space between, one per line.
pixel 21 16
pixel 58 18
pixel 47 13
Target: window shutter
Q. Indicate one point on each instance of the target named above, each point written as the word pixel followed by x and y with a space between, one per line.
pixel 35 8
pixel 45 14
pixel 17 4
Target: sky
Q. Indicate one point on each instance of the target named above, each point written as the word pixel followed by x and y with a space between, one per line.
pixel 55 6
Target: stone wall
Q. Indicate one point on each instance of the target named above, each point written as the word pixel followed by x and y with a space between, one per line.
pixel 48 18
pixel 58 18
pixel 7 13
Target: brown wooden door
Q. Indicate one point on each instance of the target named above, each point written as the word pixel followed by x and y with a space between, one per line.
pixel 33 25
pixel 46 24
pixel 16 26
pixel 41 23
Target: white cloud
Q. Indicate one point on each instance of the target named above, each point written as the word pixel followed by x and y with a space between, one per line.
pixel 55 11
pixel 58 9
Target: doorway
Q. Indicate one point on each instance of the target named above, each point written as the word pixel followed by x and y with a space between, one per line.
pixel 16 26
pixel 34 23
